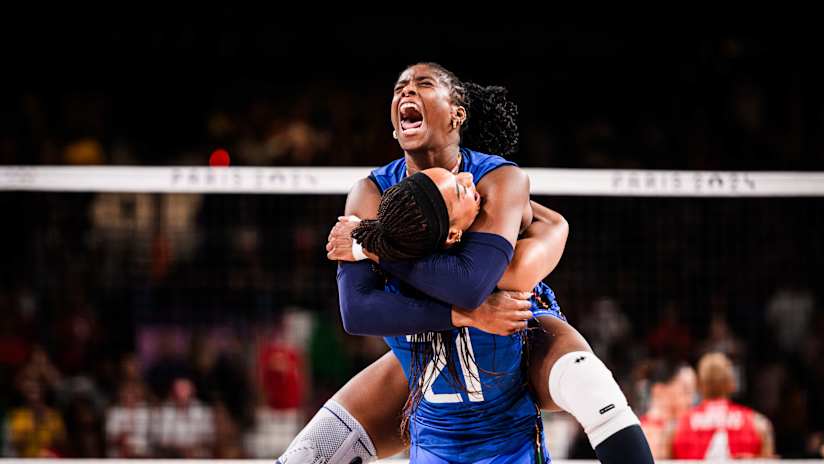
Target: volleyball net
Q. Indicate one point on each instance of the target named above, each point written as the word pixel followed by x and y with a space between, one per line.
pixel 147 275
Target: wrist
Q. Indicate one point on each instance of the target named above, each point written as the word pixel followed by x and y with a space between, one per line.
pixel 357 251
pixel 460 318
pixel 371 255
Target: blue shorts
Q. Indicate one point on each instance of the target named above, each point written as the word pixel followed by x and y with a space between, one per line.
pixel 524 455
pixel 544 302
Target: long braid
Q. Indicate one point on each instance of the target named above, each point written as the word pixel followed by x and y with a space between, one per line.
pixel 399 232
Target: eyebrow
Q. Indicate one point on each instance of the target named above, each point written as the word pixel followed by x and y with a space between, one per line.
pixel 417 79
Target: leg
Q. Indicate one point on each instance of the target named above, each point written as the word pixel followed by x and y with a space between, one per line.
pixel 359 423
pixel 552 340
pixel 375 396
pixel 566 374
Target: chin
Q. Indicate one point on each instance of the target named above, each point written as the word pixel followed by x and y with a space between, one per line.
pixel 414 144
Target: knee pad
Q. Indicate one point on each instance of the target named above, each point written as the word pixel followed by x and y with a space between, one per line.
pixel 582 385
pixel 333 436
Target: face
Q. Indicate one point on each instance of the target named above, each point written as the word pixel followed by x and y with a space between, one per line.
pixel 682 390
pixel 462 200
pixel 422 111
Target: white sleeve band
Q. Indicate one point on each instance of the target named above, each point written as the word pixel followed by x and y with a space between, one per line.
pixel 357 251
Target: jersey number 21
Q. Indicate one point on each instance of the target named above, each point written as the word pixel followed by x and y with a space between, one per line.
pixel 469 369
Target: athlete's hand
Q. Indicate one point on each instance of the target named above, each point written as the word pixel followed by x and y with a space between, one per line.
pixel 503 313
pixel 339 242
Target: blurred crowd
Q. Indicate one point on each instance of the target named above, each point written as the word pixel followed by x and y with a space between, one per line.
pixel 160 325
pixel 207 325
pixel 720 101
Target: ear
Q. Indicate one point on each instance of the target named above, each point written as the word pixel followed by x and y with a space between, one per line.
pixel 453 237
pixel 459 115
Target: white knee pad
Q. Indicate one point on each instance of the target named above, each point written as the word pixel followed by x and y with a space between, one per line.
pixel 582 385
pixel 333 436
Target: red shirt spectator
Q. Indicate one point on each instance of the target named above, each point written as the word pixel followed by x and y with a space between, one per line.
pixel 718 428
pixel 280 369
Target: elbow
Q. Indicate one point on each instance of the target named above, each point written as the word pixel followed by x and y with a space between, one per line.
pixel 563 226
pixel 348 327
pixel 349 319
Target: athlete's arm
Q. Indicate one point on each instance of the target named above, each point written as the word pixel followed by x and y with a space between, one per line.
pixel 367 310
pixel 473 269
pixel 764 428
pixel 538 250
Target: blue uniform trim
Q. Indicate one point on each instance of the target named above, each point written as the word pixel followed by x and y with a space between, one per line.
pixel 479 164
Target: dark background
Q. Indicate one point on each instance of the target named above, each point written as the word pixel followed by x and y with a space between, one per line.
pixel 86 277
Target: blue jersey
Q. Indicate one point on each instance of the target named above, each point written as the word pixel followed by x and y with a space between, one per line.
pixel 493 413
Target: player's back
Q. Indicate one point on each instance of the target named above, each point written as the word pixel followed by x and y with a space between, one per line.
pixel 717 429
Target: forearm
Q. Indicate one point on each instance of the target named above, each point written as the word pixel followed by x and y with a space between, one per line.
pixel 463 277
pixel 366 309
pixel 537 253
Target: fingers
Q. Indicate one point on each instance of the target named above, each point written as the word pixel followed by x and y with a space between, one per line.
pixel 519 326
pixel 523 315
pixel 519 295
pixel 514 328
pixel 523 304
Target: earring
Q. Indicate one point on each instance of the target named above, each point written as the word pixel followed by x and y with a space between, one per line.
pixel 395 134
pixel 453 123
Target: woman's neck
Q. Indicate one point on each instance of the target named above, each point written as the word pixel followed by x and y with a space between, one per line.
pixel 446 157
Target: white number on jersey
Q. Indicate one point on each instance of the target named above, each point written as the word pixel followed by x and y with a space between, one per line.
pixel 468 368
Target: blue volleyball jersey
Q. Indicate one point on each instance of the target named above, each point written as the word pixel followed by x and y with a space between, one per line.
pixel 492 413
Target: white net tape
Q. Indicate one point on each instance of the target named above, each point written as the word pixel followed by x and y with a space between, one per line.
pixel 337 180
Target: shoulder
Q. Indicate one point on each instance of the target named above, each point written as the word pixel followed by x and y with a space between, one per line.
pixel 363 199
pixel 389 174
pixel 480 164
pixel 505 176
pixel 762 423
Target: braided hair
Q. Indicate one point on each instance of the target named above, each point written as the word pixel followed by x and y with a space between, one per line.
pixel 399 231
pixel 491 125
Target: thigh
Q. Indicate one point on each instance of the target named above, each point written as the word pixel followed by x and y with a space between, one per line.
pixel 375 397
pixel 548 342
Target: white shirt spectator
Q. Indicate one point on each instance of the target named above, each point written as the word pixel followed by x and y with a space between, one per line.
pixel 127 431
pixel 186 429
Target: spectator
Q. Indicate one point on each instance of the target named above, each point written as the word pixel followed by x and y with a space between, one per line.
pixel 671 392
pixel 718 428
pixel 35 430
pixel 127 424
pixel 182 427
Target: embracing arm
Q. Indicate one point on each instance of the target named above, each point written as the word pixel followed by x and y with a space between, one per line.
pixel 365 308
pixel 474 269
pixel 538 251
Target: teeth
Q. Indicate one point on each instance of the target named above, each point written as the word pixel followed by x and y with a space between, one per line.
pixel 406 106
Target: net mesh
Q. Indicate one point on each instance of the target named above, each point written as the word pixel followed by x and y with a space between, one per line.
pixel 225 282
